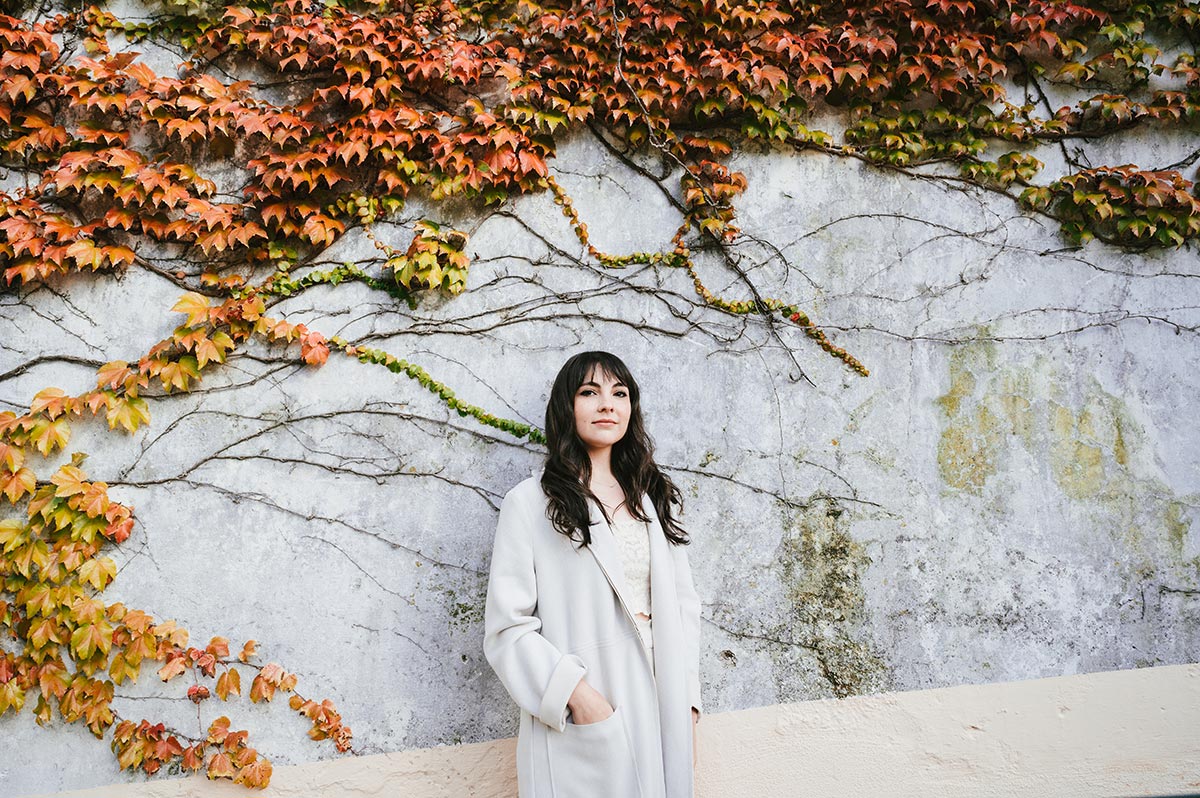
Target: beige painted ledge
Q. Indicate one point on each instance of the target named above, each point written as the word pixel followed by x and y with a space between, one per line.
pixel 1120 733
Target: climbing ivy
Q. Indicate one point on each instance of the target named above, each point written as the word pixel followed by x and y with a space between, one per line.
pixel 383 102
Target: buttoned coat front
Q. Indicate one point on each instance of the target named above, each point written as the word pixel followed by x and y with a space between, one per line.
pixel 557 612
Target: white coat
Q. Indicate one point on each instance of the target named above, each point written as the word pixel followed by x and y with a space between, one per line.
pixel 556 613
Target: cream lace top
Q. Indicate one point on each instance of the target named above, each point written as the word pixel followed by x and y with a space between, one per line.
pixel 633 541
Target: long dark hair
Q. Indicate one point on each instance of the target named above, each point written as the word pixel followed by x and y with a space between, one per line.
pixel 568 469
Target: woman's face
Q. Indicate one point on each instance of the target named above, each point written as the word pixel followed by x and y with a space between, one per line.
pixel 602 410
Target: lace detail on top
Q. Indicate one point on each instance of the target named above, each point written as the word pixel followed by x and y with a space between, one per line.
pixel 633 541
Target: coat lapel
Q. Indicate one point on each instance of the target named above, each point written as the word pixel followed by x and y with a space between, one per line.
pixel 664 603
pixel 604 549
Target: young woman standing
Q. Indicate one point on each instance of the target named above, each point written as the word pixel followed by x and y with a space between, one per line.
pixel 592 622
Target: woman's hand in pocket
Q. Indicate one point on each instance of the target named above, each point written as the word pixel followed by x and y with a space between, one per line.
pixel 587 705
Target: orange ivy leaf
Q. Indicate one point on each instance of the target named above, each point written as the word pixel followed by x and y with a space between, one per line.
pixel 193 757
pixel 220 767
pixel 256 774
pixel 214 348
pixel 113 375
pixel 45 631
pixel 51 401
pixel 15 485
pixel 314 349
pixel 218 730
pixel 229 682
pixel 261 689
pixel 175 666
pixel 167 630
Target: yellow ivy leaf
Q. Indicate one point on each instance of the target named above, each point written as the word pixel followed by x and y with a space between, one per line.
pixel 129 413
pixel 195 306
pixel 70 481
pixel 98 572
pixel 46 435
pixel 11 457
pixel 92 637
pixel 11 695
pixel 177 373
pixel 43 632
pixel 121 668
pixel 43 712
pixel 34 553
pixel 12 535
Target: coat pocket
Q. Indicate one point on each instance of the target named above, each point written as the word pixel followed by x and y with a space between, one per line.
pixel 593 760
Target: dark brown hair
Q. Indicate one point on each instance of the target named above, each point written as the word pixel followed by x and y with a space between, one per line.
pixel 569 469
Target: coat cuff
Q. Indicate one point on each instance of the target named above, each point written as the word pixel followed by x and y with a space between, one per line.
pixel 567 674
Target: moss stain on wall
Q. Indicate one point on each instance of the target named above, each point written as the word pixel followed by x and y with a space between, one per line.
pixel 821 567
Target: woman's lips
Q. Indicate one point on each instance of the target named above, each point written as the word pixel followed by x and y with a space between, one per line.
pixel 612 423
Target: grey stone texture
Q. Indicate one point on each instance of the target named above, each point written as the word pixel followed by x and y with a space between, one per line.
pixel 1012 493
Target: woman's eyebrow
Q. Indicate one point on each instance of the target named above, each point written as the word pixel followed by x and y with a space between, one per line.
pixel 597 385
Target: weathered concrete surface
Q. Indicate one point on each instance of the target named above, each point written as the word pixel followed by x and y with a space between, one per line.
pixel 1011 494
pixel 1122 733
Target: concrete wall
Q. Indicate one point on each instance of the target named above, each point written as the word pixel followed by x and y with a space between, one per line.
pixel 1124 733
pixel 1011 494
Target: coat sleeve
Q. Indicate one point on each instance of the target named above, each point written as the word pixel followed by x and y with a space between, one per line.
pixel 538 676
pixel 689 607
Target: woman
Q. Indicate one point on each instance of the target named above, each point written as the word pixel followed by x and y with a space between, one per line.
pixel 605 666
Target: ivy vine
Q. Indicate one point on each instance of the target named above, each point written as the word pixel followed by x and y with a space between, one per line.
pixel 390 101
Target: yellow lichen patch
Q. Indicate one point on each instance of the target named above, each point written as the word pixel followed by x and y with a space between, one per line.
pixel 1177 526
pixel 1085 437
pixel 1119 452
pixel 967 450
pixel 962 384
pixel 1013 400
pixel 1078 466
